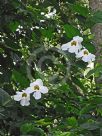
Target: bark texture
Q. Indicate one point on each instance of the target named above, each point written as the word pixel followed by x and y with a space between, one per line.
pixel 96 5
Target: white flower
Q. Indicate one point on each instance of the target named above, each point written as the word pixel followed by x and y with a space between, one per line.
pixel 51 14
pixel 74 45
pixel 23 97
pixel 90 65
pixel 86 56
pixel 37 88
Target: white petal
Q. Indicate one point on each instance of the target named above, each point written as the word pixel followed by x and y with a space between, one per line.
pixel 79 46
pixel 27 103
pixel 86 58
pixel 29 90
pixel 85 50
pixel 65 47
pixel 32 84
pixel 74 49
pixel 79 55
pixel 17 97
pixel 92 56
pixel 18 93
pixel 28 97
pixel 24 102
pixel 39 82
pixel 37 95
pixel 44 89
pixel 78 38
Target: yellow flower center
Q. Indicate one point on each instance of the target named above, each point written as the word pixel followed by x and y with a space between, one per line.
pixel 86 53
pixel 73 43
pixel 24 95
pixel 36 87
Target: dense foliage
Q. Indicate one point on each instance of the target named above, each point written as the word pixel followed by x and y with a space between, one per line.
pixel 31 35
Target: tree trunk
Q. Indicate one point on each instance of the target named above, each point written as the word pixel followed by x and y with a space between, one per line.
pixel 96 5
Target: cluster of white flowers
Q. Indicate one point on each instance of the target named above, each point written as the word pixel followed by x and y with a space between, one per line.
pixel 75 46
pixel 51 14
pixel 35 88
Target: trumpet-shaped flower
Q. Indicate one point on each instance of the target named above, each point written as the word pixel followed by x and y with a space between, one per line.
pixel 74 45
pixel 85 55
pixel 23 97
pixel 37 88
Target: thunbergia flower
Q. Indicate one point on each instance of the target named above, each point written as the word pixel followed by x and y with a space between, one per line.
pixel 74 45
pixel 23 97
pixel 37 88
pixel 85 55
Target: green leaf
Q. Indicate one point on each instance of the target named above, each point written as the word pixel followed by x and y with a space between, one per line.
pixel 95 100
pixel 72 121
pixel 89 46
pixel 90 125
pixel 20 79
pixel 87 109
pixel 96 71
pixel 71 31
pixel 60 133
pixel 13 26
pixel 47 33
pixel 29 128
pixel 91 104
pixel 78 83
pixel 44 122
pixel 97 17
pixel 80 9
pixel 1 51
pixel 5 98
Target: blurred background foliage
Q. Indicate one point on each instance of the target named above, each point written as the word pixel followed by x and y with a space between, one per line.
pixel 31 34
